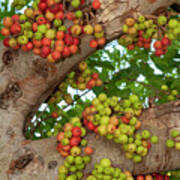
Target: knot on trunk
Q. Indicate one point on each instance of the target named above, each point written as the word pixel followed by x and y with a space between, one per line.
pixel 52 164
pixel 41 67
pixel 8 58
pixel 12 93
pixel 25 160
pixel 21 162
pixel 10 132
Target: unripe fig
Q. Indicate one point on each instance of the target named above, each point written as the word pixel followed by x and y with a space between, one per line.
pixel 131 148
pixel 149 32
pixel 141 19
pixel 129 155
pixel 130 22
pixel 79 14
pixel 75 3
pixel 141 26
pixel 147 24
pixel 22 18
pixel 42 28
pixel 82 66
pixel 88 29
pixel 99 35
pixel 128 40
pixel 57 23
pixel 98 28
pixel 49 15
pixel 170 143
pixel 162 20
pixel 175 133
pixel 177 145
pixel 164 87
pixel 137 159
pixel 29 13
pixel 29 34
pixel 132 31
pixel 171 98
pixel 82 86
pixel 62 28
pixel 174 92
pixel 22 40
pixel 125 28
pixel 12 42
pixel 38 36
pixel 27 25
pixel 76 29
pixel 173 23
pixel 50 33
pixel 171 36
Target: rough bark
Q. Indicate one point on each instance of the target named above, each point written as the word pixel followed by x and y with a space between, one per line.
pixel 26 81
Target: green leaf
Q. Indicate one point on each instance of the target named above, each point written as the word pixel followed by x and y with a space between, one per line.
pixel 103 64
pixel 104 75
pixel 174 178
pixel 176 84
pixel 98 90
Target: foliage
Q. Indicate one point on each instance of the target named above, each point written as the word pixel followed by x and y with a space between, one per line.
pixel 123 72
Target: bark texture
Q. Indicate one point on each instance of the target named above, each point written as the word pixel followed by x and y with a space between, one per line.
pixel 26 81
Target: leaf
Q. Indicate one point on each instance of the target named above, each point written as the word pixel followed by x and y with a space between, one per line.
pixel 103 64
pixel 176 84
pixel 174 178
pixel 98 90
pixel 72 112
pixel 156 81
pixel 104 75
pixel 161 64
pixel 28 134
pixel 146 70
pixel 64 120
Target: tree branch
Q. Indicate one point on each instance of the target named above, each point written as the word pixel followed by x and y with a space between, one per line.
pixel 159 121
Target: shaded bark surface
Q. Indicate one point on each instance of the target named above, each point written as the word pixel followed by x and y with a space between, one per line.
pixel 26 81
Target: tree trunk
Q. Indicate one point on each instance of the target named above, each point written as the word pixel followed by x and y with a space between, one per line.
pixel 26 81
